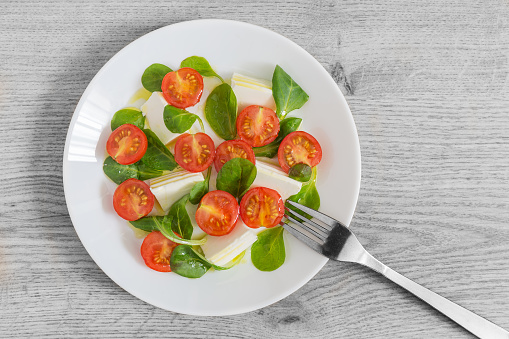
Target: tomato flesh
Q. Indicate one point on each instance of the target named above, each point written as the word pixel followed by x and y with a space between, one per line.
pixel 133 199
pixel 182 88
pixel 262 207
pixel 257 125
pixel 217 213
pixel 194 152
pixel 127 144
pixel 299 147
pixel 156 251
pixel 232 149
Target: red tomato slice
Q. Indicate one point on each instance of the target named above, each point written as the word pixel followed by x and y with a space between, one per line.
pixel 232 149
pixel 299 147
pixel 217 213
pixel 133 199
pixel 261 206
pixel 156 251
pixel 182 88
pixel 257 125
pixel 194 152
pixel 127 144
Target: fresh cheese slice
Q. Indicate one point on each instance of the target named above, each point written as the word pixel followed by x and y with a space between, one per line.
pixel 175 174
pixel 154 109
pixel 274 177
pixel 249 82
pixel 252 91
pixel 171 187
pixel 221 250
pixel 209 83
pixel 156 210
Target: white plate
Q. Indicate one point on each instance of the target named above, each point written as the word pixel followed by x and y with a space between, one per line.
pixel 229 46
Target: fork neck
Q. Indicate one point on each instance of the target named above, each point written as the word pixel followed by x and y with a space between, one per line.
pixel 368 260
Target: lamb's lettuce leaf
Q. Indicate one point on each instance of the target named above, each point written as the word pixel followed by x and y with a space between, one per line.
pixel 201 65
pixel 268 251
pixel 287 94
pixel 152 78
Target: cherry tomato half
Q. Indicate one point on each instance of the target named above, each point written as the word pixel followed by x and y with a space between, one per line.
pixel 194 152
pixel 133 199
pixel 127 144
pixel 261 206
pixel 232 149
pixel 299 147
pixel 217 213
pixel 257 125
pixel 156 251
pixel 182 88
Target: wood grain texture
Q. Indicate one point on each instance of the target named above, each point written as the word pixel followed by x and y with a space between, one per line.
pixel 427 83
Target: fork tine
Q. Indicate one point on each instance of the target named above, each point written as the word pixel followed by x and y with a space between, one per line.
pixel 304 237
pixel 315 214
pixel 308 226
pixel 318 227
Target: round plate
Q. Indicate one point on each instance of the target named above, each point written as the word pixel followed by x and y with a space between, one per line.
pixel 229 46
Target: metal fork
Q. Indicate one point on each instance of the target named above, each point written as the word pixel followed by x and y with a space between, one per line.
pixel 334 240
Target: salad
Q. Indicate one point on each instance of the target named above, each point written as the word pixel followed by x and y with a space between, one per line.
pixel 204 167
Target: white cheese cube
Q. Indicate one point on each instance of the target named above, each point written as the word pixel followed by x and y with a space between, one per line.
pixel 221 250
pixel 252 91
pixel 274 177
pixel 154 109
pixel 209 83
pixel 171 187
pixel 156 210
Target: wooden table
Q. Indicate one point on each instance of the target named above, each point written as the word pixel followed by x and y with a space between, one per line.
pixel 427 83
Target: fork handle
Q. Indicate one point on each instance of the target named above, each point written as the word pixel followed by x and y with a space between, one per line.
pixel 472 322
